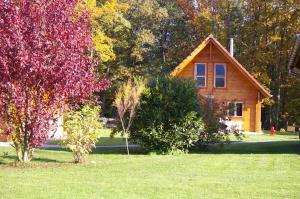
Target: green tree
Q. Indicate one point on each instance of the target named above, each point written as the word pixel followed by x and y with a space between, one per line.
pixel 267 37
pixel 106 20
pixel 153 45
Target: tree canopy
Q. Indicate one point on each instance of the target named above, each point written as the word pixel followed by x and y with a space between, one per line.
pixel 161 33
pixel 44 67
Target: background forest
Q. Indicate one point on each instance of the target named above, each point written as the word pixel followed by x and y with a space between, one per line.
pixel 149 38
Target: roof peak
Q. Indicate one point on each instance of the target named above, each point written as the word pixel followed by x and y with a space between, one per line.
pixel 212 39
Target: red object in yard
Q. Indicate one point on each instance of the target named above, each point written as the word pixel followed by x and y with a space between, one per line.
pixel 273 130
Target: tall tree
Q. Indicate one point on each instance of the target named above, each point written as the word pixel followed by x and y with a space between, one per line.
pixel 106 21
pixel 151 46
pixel 163 32
pixel 188 7
pixel 44 66
pixel 267 35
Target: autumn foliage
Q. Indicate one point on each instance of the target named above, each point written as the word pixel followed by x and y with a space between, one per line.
pixel 45 65
pixel 127 100
pixel 82 131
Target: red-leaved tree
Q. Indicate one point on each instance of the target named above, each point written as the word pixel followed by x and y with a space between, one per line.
pixel 44 67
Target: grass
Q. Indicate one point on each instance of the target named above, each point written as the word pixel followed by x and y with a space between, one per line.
pixel 267 136
pixel 250 170
pixel 105 139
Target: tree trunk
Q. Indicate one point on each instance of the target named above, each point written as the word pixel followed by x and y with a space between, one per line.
pixel 278 105
pixel 19 153
pixel 280 71
pixel 270 118
pixel 126 139
pixel 24 154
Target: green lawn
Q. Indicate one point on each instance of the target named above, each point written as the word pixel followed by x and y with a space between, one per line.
pixel 105 139
pixel 287 136
pixel 261 170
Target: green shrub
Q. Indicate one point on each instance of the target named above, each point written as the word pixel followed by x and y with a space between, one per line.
pixel 211 113
pixel 168 117
pixel 81 131
pixel 215 130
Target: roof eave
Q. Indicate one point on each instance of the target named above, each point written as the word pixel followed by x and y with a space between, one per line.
pixel 294 61
pixel 254 82
pixel 190 58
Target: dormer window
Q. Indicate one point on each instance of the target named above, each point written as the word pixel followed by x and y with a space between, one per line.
pixel 200 74
pixel 220 75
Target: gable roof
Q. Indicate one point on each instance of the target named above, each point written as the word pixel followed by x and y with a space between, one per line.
pixel 234 62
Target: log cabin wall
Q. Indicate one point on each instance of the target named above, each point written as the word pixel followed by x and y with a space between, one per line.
pixel 238 88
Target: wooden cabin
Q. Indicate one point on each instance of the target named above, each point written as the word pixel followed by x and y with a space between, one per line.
pixel 221 77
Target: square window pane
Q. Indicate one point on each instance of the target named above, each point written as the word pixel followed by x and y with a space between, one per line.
pixel 220 70
pixel 200 70
pixel 220 82
pixel 239 109
pixel 231 109
pixel 201 81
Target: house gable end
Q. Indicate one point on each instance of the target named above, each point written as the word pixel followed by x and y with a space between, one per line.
pixel 207 51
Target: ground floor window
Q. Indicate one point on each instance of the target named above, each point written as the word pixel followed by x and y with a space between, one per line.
pixel 235 109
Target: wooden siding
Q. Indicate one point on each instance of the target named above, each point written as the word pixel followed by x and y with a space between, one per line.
pixel 238 88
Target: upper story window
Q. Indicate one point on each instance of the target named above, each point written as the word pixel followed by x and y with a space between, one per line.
pixel 200 75
pixel 235 109
pixel 220 75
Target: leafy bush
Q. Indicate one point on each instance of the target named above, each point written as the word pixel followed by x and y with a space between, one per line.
pixel 215 129
pixel 211 113
pixel 81 129
pixel 168 117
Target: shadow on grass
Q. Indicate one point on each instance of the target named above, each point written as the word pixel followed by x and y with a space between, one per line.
pixel 35 159
pixel 106 151
pixel 103 141
pixel 13 158
pixel 7 159
pixel 121 151
pixel 108 141
pixel 276 147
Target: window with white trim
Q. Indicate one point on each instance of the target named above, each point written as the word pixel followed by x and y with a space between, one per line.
pixel 220 75
pixel 200 74
pixel 235 109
